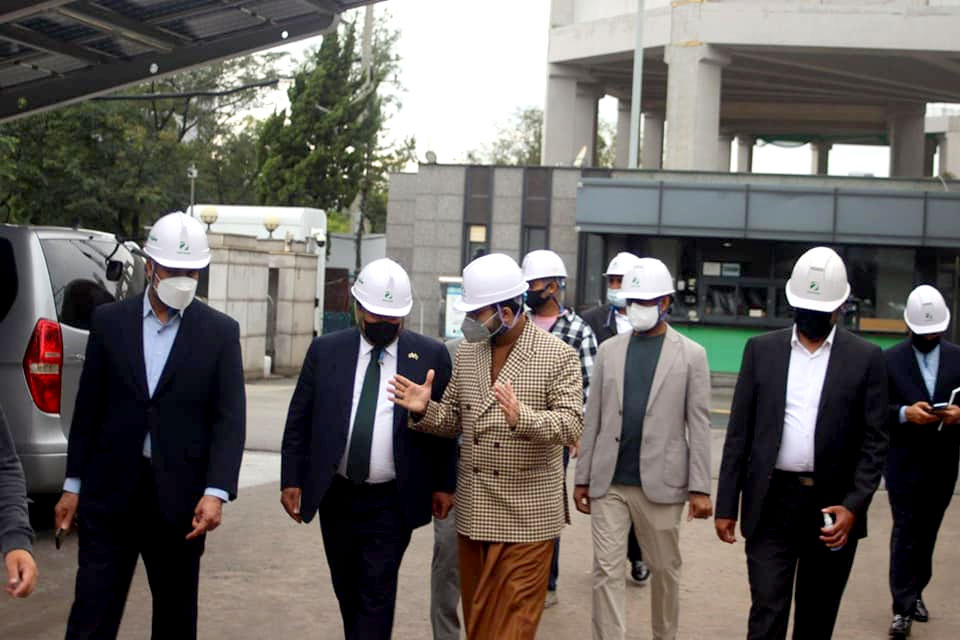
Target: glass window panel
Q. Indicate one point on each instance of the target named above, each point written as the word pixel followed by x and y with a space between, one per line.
pixel 534 238
pixel 478 233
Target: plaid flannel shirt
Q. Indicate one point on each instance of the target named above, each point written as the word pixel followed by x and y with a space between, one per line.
pixel 575 331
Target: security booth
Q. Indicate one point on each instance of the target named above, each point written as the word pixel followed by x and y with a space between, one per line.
pixel 731 248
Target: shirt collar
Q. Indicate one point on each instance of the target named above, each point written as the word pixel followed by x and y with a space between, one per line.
pixel 928 355
pixel 795 341
pixel 366 347
pixel 148 308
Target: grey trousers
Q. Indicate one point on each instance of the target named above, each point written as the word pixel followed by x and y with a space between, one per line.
pixel 445 579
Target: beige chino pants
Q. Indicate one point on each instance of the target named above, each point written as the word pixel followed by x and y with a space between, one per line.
pixel 657 527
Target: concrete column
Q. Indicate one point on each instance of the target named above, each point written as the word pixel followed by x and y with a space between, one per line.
pixel 570 117
pixel 820 158
pixel 905 130
pixel 588 103
pixel 622 144
pixel 561 13
pixel 724 148
pixel 745 145
pixel 950 154
pixel 929 151
pixel 651 146
pixel 693 106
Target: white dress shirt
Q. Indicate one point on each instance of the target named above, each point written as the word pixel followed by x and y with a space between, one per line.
pixel 382 466
pixel 929 364
pixel 804 386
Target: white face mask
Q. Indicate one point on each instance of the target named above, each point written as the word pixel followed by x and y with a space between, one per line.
pixel 177 293
pixel 643 318
pixel 615 299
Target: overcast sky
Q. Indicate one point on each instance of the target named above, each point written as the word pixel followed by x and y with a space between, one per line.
pixel 466 66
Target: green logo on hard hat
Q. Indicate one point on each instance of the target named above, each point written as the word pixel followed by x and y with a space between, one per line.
pixel 154 238
pixel 814 286
pixel 388 296
pixel 183 247
pixel 928 315
pixel 636 281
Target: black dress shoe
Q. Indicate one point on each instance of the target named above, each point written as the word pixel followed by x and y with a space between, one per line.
pixel 920 613
pixel 639 572
pixel 900 627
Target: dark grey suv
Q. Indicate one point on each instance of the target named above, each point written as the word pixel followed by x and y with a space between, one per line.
pixel 51 280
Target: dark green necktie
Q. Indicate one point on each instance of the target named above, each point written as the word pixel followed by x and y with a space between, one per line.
pixel 358 459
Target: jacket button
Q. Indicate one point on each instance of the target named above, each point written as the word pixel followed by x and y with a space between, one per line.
pixel 496 473
pixel 468 407
pixel 476 469
pixel 617 438
pixel 476 439
pixel 496 445
pixel 621 411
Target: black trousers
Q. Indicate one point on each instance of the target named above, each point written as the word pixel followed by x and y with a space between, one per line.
pixel 109 546
pixel 786 548
pixel 918 509
pixel 364 536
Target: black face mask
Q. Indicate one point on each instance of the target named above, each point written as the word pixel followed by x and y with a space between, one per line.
pixel 923 344
pixel 380 334
pixel 815 325
pixel 536 299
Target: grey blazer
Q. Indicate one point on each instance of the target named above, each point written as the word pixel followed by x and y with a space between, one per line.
pixel 675 454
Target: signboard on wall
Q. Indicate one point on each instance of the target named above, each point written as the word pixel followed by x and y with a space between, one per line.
pixel 452 319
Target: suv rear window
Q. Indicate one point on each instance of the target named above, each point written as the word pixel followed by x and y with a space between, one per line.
pixel 8 280
pixel 81 279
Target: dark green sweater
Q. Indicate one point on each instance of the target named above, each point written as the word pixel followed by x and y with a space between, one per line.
pixel 643 353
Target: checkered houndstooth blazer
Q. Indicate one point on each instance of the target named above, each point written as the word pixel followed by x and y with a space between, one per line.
pixel 510 484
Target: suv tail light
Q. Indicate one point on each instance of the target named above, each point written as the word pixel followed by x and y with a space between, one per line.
pixel 43 365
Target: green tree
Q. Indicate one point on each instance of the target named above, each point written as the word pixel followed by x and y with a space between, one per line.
pixel 518 141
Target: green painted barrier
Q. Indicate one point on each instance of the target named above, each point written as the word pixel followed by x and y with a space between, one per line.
pixel 725 345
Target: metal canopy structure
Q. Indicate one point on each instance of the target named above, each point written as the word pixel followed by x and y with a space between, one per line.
pixel 54 52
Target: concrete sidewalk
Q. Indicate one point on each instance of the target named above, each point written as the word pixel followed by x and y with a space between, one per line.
pixel 263 576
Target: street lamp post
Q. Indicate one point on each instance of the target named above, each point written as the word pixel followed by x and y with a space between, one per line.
pixel 192 175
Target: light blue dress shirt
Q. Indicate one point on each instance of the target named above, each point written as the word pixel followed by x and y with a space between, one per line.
pixel 158 339
pixel 929 364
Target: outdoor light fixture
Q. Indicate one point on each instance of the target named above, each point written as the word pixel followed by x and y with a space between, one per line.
pixel 209 216
pixel 270 223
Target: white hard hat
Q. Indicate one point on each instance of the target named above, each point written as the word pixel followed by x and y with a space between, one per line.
pixel 620 264
pixel 490 279
pixel 543 263
pixel 178 241
pixel 383 288
pixel 926 311
pixel 648 279
pixel 819 281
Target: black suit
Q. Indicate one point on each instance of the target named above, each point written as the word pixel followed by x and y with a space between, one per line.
pixel 780 518
pixel 921 470
pixel 602 321
pixel 129 505
pixel 366 528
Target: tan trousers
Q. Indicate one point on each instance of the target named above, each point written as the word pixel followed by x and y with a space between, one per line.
pixel 503 586
pixel 657 527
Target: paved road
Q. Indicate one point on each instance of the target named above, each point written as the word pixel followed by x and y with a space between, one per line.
pixel 265 577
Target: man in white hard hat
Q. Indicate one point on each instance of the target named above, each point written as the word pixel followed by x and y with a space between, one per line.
pixel 156 440
pixel 921 470
pixel 546 276
pixel 609 320
pixel 348 457
pixel 517 397
pixel 645 451
pixel 803 455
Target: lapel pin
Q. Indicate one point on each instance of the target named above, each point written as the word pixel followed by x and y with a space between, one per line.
pixel 413 355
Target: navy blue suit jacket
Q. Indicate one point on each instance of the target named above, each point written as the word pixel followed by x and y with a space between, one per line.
pixel 919 451
pixel 196 418
pixel 318 422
